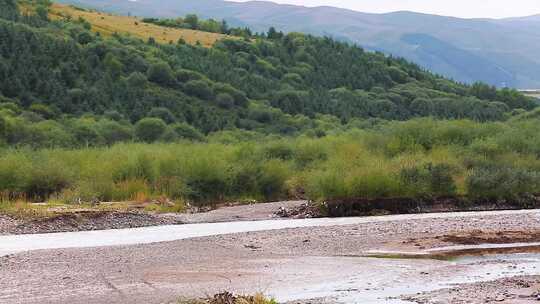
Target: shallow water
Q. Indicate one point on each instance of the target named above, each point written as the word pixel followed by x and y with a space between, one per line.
pixel 385 280
pixel 19 243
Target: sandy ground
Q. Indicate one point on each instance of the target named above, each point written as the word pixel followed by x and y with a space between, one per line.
pixel 285 263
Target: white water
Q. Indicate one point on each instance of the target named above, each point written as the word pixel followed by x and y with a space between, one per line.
pixel 12 244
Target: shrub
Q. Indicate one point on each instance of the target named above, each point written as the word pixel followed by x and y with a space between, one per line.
pixel 428 180
pixel 272 180
pixel 502 183
pixel 278 150
pixel 113 132
pixel 162 113
pixel 131 190
pixel 47 133
pixel 14 170
pixel 150 129
pixel 224 100
pixel 138 167
pixel 138 80
pixel 46 177
pixel 327 184
pixel 161 73
pixel 373 184
pixel 199 88
pixel 185 131
pixel 207 175
pixel 183 75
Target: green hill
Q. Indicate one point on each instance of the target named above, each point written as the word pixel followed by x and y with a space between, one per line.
pixel 76 82
pixel 508 48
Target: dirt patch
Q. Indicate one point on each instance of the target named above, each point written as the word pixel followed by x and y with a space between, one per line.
pixel 86 220
pixel 517 290
pixel 486 237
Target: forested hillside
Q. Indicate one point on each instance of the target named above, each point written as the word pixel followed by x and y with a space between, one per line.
pixel 62 84
pixel 502 52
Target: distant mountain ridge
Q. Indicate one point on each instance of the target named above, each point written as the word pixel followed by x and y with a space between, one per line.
pixel 502 52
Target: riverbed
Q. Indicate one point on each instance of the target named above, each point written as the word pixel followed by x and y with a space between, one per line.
pixel 292 260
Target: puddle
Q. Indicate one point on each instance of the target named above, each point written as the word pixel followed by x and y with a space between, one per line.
pixel 395 274
pixel 452 253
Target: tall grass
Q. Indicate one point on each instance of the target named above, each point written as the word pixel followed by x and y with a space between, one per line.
pixel 418 158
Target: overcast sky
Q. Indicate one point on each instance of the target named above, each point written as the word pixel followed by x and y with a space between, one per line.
pixel 457 8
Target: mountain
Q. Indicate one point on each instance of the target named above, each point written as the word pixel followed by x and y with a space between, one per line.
pixel 501 52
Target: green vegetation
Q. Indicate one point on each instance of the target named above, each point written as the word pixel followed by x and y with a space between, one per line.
pixel 496 161
pixel 85 118
pixel 75 84
pixel 193 22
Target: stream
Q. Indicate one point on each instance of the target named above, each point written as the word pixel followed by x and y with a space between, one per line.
pixel 10 244
pixel 384 280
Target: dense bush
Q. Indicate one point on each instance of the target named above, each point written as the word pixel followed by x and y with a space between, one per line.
pixel 446 162
pixel 150 129
pixel 502 182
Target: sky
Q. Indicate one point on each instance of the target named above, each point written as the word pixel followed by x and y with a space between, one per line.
pixel 456 8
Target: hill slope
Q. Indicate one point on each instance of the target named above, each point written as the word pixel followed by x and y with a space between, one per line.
pixel 508 48
pixel 107 24
pixel 77 86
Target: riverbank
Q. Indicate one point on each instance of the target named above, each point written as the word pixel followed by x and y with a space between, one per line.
pixel 293 264
pixel 120 217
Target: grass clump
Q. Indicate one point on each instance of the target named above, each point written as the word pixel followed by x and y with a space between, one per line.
pixel 229 298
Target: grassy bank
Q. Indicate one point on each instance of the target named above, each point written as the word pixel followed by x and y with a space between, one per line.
pixel 419 158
